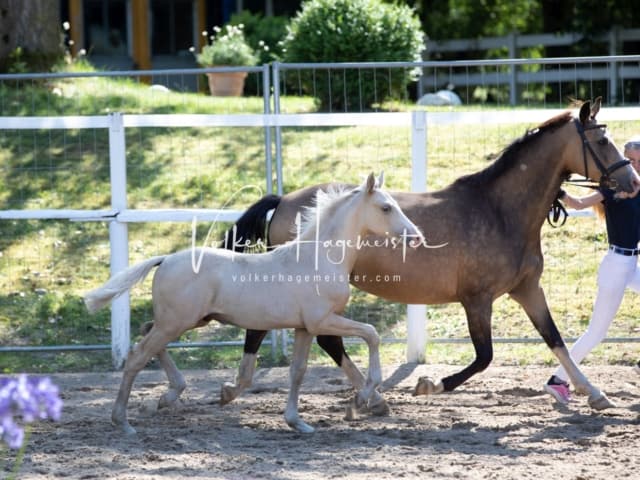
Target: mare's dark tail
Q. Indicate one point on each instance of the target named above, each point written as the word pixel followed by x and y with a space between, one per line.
pixel 251 227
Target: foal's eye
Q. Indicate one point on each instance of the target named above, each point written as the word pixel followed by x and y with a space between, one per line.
pixel 603 141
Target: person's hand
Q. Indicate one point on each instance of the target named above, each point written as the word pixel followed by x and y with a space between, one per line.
pixel 624 195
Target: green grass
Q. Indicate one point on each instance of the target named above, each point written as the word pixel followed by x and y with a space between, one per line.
pixel 45 266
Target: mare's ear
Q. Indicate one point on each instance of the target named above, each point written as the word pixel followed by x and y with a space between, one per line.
pixel 585 112
pixel 371 183
pixel 595 108
pixel 381 179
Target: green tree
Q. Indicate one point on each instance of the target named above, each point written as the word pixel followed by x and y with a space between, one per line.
pixel 31 35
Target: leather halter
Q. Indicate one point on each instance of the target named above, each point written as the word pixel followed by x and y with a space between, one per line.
pixel 605 172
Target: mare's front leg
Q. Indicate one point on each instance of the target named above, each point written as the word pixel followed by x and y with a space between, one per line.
pixel 531 296
pixel 478 310
pixel 252 341
pixel 301 347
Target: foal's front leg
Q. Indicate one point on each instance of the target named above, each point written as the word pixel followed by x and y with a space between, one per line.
pixel 301 346
pixel 335 324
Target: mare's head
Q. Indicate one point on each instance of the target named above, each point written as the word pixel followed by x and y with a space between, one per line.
pixel 378 213
pixel 599 158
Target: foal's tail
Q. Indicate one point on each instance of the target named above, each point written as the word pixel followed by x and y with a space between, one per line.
pixel 120 283
pixel 252 225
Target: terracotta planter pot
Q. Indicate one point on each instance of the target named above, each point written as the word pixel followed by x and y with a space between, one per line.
pixel 226 84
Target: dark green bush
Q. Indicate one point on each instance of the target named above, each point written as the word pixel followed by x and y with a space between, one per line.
pixel 264 34
pixel 354 31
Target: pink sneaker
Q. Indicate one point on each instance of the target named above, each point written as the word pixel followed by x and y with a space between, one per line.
pixel 560 392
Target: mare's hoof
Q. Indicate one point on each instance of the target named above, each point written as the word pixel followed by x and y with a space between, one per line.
pixel 600 402
pixel 380 409
pixel 426 386
pixel 227 393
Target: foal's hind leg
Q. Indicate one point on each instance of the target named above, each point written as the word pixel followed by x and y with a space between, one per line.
pixel 176 380
pixel 252 341
pixel 532 299
pixel 334 346
pixel 138 357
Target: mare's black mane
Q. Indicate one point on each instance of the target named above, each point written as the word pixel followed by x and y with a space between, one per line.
pixel 511 153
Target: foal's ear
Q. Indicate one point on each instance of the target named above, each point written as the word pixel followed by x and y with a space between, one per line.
pixel 585 112
pixel 371 183
pixel 381 179
pixel 595 108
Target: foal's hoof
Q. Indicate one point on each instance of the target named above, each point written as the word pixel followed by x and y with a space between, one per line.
pixel 600 402
pixel 380 408
pixel 301 426
pixel 227 393
pixel 426 386
pixel 126 428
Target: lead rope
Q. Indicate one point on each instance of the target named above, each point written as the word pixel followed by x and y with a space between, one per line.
pixel 557 209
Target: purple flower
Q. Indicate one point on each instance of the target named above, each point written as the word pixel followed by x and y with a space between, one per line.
pixel 24 400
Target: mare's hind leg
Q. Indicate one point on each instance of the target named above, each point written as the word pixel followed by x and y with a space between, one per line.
pixel 138 357
pixel 252 341
pixel 479 322
pixel 335 348
pixel 531 297
pixel 301 346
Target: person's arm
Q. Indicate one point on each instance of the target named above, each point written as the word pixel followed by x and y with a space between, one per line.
pixel 580 203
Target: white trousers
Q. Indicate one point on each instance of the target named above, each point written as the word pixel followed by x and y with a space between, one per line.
pixel 615 274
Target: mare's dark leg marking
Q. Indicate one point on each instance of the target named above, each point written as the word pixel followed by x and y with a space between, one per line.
pixel 479 321
pixel 253 339
pixel 334 346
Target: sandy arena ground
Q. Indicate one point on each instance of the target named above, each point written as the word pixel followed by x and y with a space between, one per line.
pixel 498 425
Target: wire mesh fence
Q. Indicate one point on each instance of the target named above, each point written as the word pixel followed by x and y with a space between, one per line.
pixel 47 264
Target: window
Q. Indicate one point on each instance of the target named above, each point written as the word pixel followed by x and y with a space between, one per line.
pixel 171 26
pixel 106 26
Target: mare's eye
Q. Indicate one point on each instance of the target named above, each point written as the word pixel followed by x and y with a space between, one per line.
pixel 386 208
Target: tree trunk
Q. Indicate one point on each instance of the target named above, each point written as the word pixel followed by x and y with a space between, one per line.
pixel 34 26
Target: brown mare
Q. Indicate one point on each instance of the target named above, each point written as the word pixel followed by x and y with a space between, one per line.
pixel 490 222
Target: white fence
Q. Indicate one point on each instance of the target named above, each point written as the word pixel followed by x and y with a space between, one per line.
pixel 119 215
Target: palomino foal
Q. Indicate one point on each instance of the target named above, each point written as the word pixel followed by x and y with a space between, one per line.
pixel 309 277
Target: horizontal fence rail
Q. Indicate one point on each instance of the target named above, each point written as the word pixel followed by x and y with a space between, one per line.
pixel 118 216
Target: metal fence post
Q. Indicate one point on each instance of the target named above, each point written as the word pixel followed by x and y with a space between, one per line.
pixel 266 85
pixel 275 71
pixel 276 109
pixel 417 314
pixel 118 238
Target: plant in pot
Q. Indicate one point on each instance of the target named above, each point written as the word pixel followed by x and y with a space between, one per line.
pixel 227 47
